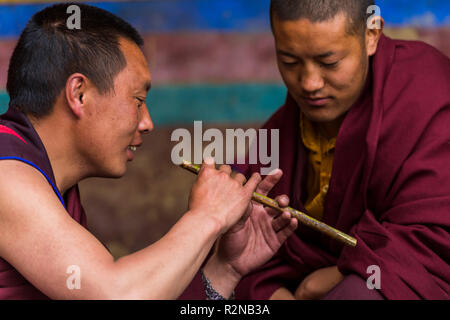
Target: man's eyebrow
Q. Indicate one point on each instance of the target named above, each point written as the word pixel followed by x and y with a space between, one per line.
pixel 326 54
pixel 284 53
pixel 319 56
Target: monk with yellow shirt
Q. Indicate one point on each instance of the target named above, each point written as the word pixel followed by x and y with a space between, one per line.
pixel 364 147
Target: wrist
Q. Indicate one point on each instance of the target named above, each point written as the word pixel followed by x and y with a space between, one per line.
pixel 213 225
pixel 222 276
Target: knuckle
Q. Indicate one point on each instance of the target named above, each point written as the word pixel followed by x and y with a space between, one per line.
pixel 257 176
pixel 225 167
pixel 206 170
pixel 223 175
pixel 237 184
pixel 239 176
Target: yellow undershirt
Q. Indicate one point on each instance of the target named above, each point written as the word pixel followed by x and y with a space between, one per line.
pixel 320 163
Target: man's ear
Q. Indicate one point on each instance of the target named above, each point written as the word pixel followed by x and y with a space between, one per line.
pixel 76 86
pixel 374 30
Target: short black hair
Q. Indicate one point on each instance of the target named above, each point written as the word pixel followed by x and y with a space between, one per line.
pixel 323 10
pixel 48 52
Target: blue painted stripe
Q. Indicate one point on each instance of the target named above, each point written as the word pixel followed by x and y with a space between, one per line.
pixel 237 103
pixel 41 171
pixel 161 15
pixel 221 15
pixel 419 13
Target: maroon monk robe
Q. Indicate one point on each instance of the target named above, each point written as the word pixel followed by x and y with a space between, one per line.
pixel 390 184
pixel 20 141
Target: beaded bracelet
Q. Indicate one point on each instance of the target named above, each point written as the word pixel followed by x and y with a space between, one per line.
pixel 212 294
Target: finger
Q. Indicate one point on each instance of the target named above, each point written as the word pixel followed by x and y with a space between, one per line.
pixel 286 232
pixel 252 183
pixel 272 212
pixel 269 182
pixel 283 201
pixel 281 221
pixel 225 168
pixel 240 178
pixel 235 173
pixel 208 163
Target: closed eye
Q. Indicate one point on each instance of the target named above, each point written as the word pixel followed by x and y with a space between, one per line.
pixel 141 101
pixel 329 65
pixel 289 63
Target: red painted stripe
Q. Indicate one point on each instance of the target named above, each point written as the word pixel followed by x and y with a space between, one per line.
pixel 197 58
pixel 7 130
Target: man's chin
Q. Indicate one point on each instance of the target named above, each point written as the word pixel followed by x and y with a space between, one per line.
pixel 320 116
pixel 113 173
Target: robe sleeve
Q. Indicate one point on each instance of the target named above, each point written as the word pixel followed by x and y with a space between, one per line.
pixel 262 284
pixel 409 240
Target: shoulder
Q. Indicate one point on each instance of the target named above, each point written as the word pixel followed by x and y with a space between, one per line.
pixel 26 198
pixel 412 79
pixel 23 182
pixel 423 68
pixel 429 61
pixel 417 50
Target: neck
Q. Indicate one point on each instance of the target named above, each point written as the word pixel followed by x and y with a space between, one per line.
pixel 53 133
pixel 330 129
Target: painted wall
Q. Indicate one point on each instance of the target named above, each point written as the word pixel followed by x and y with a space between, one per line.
pixel 219 54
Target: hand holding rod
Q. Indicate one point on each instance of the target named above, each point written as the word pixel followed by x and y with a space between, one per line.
pixel 300 216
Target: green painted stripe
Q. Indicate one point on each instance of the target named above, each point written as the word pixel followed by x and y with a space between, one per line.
pixel 4 100
pixel 181 104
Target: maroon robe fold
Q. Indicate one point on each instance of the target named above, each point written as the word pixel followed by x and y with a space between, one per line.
pixel 195 290
pixel 19 141
pixel 390 184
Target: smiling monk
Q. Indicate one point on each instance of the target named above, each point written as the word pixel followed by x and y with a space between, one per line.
pixel 77 110
pixel 365 147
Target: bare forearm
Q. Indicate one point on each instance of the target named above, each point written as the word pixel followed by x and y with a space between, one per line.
pixel 164 269
pixel 42 242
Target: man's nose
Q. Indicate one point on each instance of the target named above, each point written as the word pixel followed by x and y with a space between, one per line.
pixel 311 80
pixel 146 123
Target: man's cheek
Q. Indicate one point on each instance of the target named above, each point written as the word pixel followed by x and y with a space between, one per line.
pixel 286 76
pixel 342 80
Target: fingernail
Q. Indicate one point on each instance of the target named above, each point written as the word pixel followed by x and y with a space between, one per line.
pixel 209 160
pixel 274 171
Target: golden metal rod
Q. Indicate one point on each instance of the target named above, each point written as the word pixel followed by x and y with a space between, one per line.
pixel 300 216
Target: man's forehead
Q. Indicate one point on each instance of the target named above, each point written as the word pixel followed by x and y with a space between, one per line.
pixel 318 38
pixel 136 62
pixel 339 22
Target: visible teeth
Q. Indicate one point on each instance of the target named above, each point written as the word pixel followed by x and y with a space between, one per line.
pixel 132 148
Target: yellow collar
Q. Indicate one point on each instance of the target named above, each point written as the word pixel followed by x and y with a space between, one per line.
pixel 312 139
